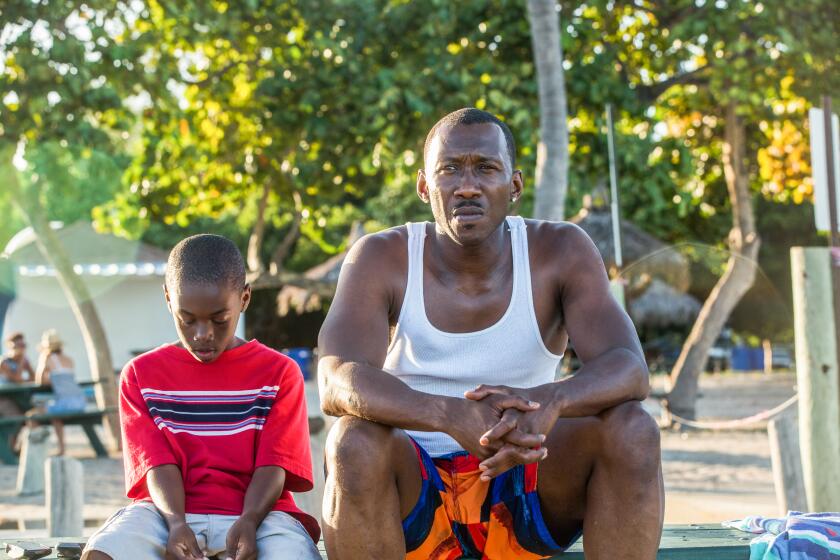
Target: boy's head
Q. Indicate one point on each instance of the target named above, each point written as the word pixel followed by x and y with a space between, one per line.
pixel 16 344
pixel 206 291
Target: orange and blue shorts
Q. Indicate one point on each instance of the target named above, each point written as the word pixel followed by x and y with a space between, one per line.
pixel 460 516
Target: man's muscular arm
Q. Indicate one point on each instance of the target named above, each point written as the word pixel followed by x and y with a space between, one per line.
pixel 613 371
pixel 613 367
pixel 354 342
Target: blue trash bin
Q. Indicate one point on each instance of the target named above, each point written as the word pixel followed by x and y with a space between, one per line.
pixel 303 358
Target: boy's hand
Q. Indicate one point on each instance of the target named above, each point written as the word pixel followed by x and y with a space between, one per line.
pixel 242 540
pixel 182 544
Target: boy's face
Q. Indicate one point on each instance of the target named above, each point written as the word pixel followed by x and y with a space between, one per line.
pixel 206 316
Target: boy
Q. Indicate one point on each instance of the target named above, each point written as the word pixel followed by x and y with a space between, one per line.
pixel 214 428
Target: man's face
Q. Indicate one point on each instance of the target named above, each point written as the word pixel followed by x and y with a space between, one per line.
pixel 206 317
pixel 468 181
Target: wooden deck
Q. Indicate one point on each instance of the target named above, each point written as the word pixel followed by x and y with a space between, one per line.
pixel 679 542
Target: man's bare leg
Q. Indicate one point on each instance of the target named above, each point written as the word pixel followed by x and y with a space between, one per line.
pixel 604 473
pixel 373 482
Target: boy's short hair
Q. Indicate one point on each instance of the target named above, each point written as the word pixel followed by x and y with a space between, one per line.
pixel 206 259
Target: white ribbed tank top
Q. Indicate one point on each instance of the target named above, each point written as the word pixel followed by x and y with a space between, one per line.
pixel 510 352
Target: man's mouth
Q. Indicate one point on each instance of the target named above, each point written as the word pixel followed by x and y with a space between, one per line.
pixel 468 212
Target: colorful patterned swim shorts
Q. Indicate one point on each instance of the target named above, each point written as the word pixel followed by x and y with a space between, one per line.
pixel 460 516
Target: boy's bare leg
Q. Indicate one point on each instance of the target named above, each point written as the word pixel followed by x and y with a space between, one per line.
pixel 373 482
pixel 604 473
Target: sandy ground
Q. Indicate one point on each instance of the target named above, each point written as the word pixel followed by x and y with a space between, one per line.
pixel 709 476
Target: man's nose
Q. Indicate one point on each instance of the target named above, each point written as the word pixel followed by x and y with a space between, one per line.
pixel 469 185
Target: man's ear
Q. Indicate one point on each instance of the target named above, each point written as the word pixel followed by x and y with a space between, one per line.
pixel 516 185
pixel 422 186
pixel 246 297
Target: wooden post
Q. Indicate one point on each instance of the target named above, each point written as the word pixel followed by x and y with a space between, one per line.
pixel 30 479
pixel 817 375
pixel 65 491
pixel 767 349
pixel 310 502
pixel 783 432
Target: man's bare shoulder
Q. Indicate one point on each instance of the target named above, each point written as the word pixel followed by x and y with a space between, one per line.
pixel 382 247
pixel 551 239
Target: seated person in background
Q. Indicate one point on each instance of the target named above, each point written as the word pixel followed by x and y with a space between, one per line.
pixel 15 367
pixel 56 368
pixel 215 433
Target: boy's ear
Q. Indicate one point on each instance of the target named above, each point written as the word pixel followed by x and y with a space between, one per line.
pixel 246 297
pixel 166 296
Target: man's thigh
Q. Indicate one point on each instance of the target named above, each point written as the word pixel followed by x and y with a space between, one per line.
pixel 564 474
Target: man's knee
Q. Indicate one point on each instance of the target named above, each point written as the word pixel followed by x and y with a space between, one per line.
pixel 358 450
pixel 631 436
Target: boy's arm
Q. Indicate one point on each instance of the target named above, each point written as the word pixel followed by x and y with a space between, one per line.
pixel 263 491
pixel 166 487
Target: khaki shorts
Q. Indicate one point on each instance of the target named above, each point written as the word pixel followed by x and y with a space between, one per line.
pixel 139 532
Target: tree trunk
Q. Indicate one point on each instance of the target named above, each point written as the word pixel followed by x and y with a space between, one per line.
pixel 285 246
pixel 255 264
pixel 552 172
pixel 735 282
pixel 78 296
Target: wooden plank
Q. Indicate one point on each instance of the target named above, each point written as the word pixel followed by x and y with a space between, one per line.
pixel 65 496
pixel 30 479
pixel 679 542
pixel 816 375
pixel 783 433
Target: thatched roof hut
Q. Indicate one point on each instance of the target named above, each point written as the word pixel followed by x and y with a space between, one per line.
pixel 661 305
pixel 642 253
pixel 656 274
pixel 304 299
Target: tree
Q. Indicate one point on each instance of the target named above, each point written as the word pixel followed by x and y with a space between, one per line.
pixel 712 71
pixel 552 171
pixel 63 73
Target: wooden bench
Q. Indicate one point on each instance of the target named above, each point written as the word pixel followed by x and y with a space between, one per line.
pixel 679 542
pixel 87 419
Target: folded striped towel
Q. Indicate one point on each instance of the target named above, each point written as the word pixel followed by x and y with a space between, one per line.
pixel 798 536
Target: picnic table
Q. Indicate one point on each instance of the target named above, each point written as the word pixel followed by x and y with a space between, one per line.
pixel 21 393
pixel 679 542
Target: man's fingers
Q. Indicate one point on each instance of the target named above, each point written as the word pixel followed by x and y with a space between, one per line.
pixel 506 424
pixel 483 390
pixel 523 439
pixel 510 456
pixel 517 402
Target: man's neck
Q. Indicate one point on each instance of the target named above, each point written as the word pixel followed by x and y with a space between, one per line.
pixel 478 259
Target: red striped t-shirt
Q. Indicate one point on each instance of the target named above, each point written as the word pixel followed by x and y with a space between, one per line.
pixel 218 422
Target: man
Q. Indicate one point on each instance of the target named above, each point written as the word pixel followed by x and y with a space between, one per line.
pixel 439 355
